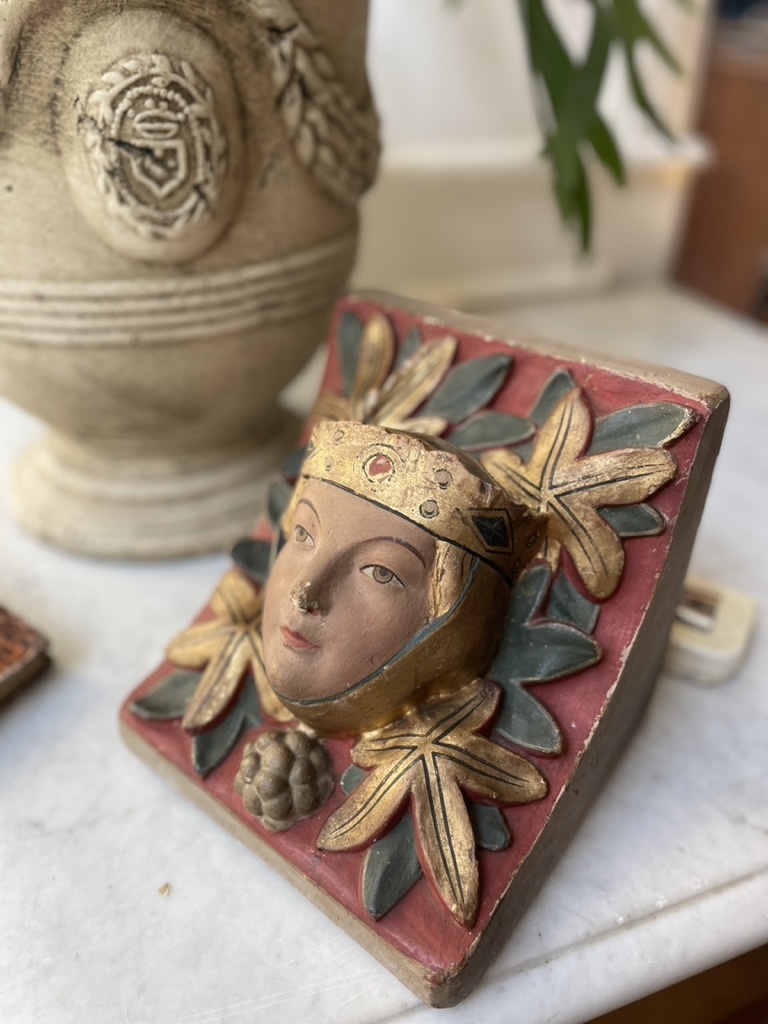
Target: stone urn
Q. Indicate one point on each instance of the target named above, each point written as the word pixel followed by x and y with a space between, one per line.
pixel 179 186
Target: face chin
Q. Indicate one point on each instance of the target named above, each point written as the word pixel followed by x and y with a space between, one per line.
pixel 299 673
pixel 300 669
pixel 292 659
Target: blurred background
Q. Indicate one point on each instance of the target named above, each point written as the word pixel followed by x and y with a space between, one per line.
pixel 463 210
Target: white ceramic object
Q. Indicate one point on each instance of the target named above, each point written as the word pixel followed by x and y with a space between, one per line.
pixel 179 185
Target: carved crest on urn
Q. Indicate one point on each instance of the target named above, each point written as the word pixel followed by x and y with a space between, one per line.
pixel 179 189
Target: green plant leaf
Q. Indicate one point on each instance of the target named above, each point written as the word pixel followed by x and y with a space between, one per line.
pixel 525 721
pixel 350 338
pixel 169 699
pixel 567 95
pixel 571 187
pixel 253 557
pixel 567 107
pixel 391 868
pixel 632 28
pixel 489 825
pixel 548 57
pixel 634 520
pixel 566 604
pixel 491 430
pixel 606 149
pixel 468 387
pixel 641 426
pixel 577 107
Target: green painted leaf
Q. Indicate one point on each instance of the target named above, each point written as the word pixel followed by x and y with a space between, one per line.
pixel 169 699
pixel 391 868
pixel 291 466
pixel 279 495
pixel 211 747
pixel 249 704
pixel 526 722
pixel 525 450
pixel 490 826
pixel 350 339
pixel 543 652
pixel 538 652
pixel 491 430
pixel 566 604
pixel 558 385
pixel 527 597
pixel 634 520
pixel 468 387
pixel 411 344
pixel 253 557
pixel 351 779
pixel 641 426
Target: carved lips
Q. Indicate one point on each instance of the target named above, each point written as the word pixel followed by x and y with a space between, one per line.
pixel 296 641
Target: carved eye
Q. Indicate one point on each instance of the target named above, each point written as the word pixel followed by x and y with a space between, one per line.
pixel 380 574
pixel 302 536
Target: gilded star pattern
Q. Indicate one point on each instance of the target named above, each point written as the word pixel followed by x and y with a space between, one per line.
pixel 391 400
pixel 431 755
pixel 226 645
pixel 569 488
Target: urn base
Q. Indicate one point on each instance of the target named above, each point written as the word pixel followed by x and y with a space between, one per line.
pixel 143 505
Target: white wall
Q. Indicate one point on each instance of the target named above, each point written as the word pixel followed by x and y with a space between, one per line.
pixel 462 211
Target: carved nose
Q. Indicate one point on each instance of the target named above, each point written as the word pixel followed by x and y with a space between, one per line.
pixel 301 599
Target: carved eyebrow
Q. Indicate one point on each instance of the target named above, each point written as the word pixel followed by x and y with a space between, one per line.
pixel 306 501
pixel 403 544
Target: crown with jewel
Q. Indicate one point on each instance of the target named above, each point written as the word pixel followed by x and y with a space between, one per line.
pixel 431 484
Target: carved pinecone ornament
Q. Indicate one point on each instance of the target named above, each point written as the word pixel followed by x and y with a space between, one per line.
pixel 285 775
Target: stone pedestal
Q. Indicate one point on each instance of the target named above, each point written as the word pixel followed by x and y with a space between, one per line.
pixel 178 186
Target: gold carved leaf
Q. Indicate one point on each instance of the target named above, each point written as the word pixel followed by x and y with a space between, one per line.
pixel 570 488
pixel 430 756
pixel 414 383
pixel 377 350
pixel 330 406
pixel 227 645
pixel 445 833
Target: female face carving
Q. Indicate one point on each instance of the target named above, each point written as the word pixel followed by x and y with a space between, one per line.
pixel 348 590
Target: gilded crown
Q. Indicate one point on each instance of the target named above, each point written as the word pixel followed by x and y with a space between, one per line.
pixel 430 483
